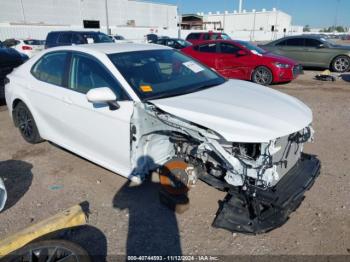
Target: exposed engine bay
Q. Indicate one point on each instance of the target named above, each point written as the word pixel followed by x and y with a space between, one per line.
pixel 251 173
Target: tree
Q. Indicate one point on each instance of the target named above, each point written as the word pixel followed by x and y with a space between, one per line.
pixel 306 28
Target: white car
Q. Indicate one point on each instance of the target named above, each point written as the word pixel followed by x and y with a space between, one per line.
pixel 134 108
pixel 29 47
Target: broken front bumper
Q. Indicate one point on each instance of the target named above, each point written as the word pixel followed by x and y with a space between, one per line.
pixel 257 210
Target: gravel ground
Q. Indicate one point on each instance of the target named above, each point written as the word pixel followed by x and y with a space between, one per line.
pixel 45 179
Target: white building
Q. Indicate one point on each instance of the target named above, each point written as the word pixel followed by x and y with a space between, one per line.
pixel 33 18
pixel 254 25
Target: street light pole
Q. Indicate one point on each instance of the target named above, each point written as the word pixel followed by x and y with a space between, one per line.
pixel 107 20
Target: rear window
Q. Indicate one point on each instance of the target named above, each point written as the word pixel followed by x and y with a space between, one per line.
pixel 98 37
pixel 33 42
pixel 193 36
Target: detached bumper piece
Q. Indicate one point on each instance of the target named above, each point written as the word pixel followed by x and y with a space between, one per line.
pixel 256 211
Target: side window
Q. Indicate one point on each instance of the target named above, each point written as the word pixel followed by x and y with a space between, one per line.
pixel 193 36
pixel 312 42
pixel 226 48
pixel 207 48
pixel 65 38
pixel 282 43
pixel 215 36
pixel 295 42
pixel 78 39
pixel 51 68
pixel 206 37
pixel 170 43
pixel 87 73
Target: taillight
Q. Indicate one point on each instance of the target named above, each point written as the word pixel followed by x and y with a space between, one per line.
pixel 25 47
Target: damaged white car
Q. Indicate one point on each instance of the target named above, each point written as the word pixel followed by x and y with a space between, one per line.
pixel 135 108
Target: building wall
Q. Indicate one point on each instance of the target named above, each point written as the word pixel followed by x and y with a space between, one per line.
pixel 253 24
pixel 73 12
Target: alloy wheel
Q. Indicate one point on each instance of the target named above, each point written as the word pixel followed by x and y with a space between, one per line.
pixel 342 64
pixel 25 123
pixel 262 76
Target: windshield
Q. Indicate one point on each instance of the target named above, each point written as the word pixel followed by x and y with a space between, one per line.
pixel 157 74
pixel 184 43
pixel 99 37
pixel 253 48
pixel 225 37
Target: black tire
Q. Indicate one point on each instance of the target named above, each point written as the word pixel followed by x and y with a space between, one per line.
pixel 25 122
pixel 262 75
pixel 50 250
pixel 340 64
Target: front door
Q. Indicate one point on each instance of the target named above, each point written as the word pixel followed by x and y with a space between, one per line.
pixel 232 65
pixel 96 131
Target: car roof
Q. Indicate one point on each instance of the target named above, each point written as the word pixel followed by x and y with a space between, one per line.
pixel 72 31
pixel 303 36
pixel 112 48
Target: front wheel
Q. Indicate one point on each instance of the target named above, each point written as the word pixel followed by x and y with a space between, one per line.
pixel 341 64
pixel 24 120
pixel 50 250
pixel 262 75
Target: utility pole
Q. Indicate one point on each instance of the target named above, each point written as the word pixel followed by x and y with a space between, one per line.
pixel 336 15
pixel 23 14
pixel 240 8
pixel 107 20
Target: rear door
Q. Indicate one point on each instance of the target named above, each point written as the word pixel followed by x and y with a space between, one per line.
pixel 206 53
pixel 46 91
pixel 293 48
pixel 232 65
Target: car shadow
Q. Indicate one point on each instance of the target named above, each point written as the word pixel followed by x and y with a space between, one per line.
pixel 345 77
pixel 153 228
pixel 88 237
pixel 17 177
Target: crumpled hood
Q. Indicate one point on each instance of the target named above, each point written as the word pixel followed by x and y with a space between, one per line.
pixel 241 111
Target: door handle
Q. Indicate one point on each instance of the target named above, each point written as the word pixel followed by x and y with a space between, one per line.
pixel 67 100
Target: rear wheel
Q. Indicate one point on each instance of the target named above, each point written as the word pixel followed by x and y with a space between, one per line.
pixel 26 124
pixel 341 64
pixel 262 75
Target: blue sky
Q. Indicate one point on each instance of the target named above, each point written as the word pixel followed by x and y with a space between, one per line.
pixel 316 13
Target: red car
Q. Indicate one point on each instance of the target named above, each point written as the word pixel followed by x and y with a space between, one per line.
pixel 243 60
pixel 200 37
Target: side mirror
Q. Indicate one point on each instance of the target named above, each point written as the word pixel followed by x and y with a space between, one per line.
pixel 321 46
pixel 242 53
pixel 103 95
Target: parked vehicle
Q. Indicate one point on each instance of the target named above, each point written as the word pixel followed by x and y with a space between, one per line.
pixel 119 39
pixel 9 59
pixel 65 38
pixel 312 51
pixel 176 43
pixel 151 38
pixel 29 47
pixel 243 60
pixel 134 108
pixel 197 38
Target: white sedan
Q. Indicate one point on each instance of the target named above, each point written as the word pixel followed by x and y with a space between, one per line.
pixel 29 47
pixel 134 108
